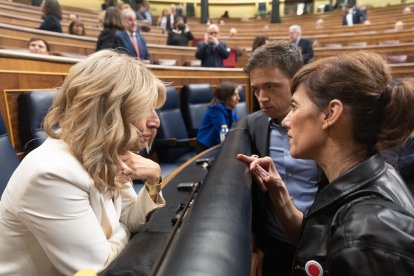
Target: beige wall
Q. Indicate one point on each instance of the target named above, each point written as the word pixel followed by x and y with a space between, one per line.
pixel 236 8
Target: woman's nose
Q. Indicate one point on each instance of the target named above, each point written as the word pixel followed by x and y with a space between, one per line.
pixel 154 120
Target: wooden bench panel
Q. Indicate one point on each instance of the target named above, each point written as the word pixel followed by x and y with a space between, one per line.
pixel 26 72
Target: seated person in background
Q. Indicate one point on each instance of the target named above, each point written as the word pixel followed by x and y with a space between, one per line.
pixel 399 26
pixel 259 41
pixel 130 41
pixel 220 112
pixel 162 20
pixel 76 27
pixel 225 15
pixel 362 221
pixel 319 23
pixel 38 46
pixel 51 15
pixel 70 205
pixel 141 14
pixel 295 33
pixel 233 32
pixel 72 17
pixel 180 35
pixel 112 24
pixel 211 51
pixel 407 10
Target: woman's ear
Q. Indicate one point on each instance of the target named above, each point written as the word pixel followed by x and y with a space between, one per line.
pixel 333 112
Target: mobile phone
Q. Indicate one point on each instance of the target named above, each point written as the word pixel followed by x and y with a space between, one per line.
pixel 260 172
pixel 185 186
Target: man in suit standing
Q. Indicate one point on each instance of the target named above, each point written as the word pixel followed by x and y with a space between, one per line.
pixel 212 51
pixel 270 68
pixel 295 33
pixel 171 18
pixel 130 41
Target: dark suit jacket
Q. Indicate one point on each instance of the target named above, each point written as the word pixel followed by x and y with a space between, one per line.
pixel 211 55
pixel 257 125
pixel 124 43
pixel 307 49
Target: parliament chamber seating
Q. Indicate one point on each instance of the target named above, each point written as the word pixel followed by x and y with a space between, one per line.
pixel 172 144
pixel 9 160
pixel 33 107
pixel 195 99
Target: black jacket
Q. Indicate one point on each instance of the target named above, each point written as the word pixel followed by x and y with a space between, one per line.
pixel 211 55
pixel 106 39
pixel 362 223
pixel 51 23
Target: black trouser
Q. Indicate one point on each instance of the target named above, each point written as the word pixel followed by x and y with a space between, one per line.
pixel 278 257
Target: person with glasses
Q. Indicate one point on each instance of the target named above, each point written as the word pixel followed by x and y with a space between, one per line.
pixel 212 51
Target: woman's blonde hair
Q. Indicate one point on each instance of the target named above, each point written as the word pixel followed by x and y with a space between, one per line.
pixel 94 112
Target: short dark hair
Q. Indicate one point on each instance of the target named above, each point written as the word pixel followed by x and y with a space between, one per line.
pixel 280 54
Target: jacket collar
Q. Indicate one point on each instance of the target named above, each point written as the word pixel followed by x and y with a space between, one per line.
pixel 354 179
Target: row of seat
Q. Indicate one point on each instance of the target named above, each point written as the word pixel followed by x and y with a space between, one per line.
pixel 180 119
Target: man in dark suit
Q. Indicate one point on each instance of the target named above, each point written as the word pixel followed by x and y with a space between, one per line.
pixel 270 69
pixel 130 41
pixel 212 51
pixel 295 33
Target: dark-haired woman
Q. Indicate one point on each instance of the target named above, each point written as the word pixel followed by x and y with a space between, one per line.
pixel 180 35
pixel 345 109
pixel 112 23
pixel 51 15
pixel 220 112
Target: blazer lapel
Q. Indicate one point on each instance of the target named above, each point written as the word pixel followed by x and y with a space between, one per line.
pixel 261 134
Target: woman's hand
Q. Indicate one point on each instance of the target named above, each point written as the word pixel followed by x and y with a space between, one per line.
pixel 269 180
pixel 138 167
pixel 264 170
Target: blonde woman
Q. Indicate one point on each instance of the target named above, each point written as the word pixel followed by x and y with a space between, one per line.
pixel 70 205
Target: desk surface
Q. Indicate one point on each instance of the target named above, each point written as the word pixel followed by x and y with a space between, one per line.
pixel 140 254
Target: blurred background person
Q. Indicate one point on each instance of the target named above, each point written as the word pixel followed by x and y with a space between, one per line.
pixel 130 40
pixel 295 36
pixel 399 26
pixel 407 10
pixel 162 20
pixel 171 18
pixel 79 180
pixel 319 23
pixel 259 41
pixel 211 51
pixel 233 32
pixel 180 34
pixel 76 27
pixel 51 15
pixel 112 24
pixel 221 111
pixel 38 46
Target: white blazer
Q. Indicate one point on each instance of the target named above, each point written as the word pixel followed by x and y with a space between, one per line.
pixel 54 221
